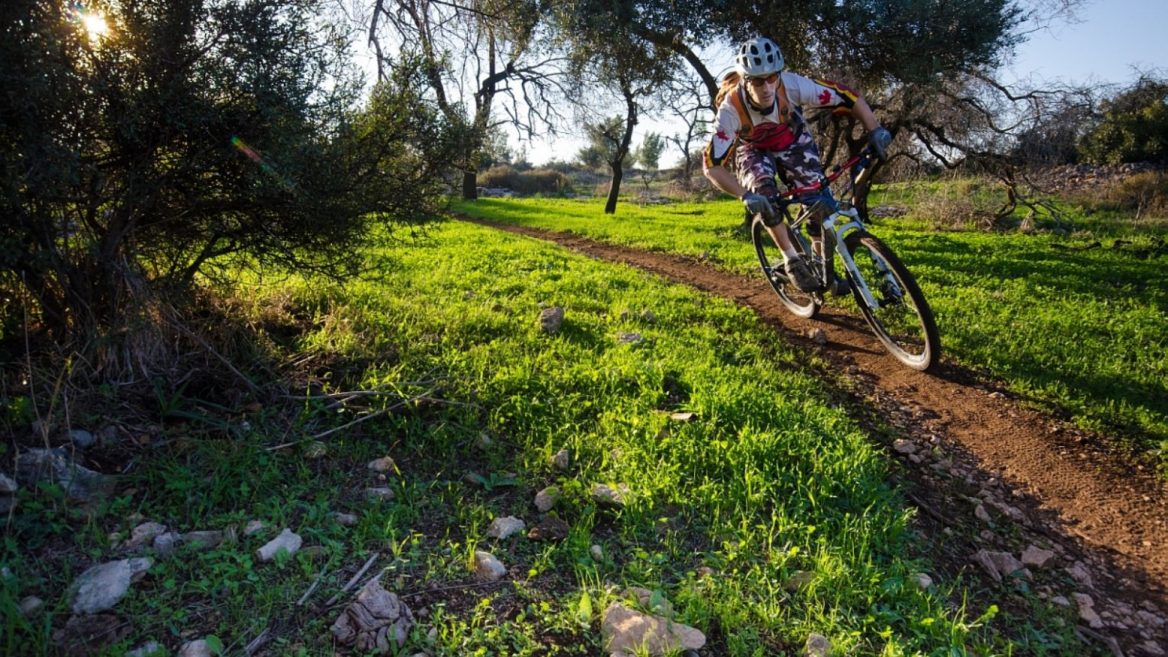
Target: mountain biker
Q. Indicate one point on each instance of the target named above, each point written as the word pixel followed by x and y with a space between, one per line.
pixel 760 127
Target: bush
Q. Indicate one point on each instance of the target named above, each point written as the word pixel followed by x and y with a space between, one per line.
pixel 1134 127
pixel 1145 194
pixel 536 181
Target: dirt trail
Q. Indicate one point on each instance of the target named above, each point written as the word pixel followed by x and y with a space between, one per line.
pixel 1070 490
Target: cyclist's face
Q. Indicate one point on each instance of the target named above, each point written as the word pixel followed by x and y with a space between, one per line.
pixel 762 89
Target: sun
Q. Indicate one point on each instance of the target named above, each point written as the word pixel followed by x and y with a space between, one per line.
pixel 95 25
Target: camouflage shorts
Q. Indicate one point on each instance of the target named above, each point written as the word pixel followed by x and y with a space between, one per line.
pixel 797 166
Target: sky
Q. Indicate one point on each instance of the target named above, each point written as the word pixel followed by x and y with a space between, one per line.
pixel 1108 42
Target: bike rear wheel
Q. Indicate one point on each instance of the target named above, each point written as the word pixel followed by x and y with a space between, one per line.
pixel 770 256
pixel 901 318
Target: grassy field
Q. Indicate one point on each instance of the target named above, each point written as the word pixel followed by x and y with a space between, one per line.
pixel 1078 329
pixel 771 487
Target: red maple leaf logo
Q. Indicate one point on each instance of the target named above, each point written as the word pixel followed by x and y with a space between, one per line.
pixel 825 97
pixel 721 134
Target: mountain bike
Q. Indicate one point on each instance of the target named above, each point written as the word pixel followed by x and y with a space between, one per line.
pixel 888 295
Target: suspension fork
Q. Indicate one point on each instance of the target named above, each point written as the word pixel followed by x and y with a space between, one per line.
pixel 835 243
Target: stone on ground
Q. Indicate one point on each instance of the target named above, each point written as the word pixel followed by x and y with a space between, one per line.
pixel 624 631
pixel 54 465
pixel 376 621
pixel 817 646
pixel 487 567
pixel 550 319
pixel 103 586
pixel 287 540
pixel 547 498
pixel 501 528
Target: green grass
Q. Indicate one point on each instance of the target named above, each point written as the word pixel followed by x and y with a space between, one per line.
pixel 1082 332
pixel 769 480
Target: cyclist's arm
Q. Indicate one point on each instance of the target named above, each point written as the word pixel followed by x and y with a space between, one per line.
pixel 726 181
pixel 723 141
pixel 825 94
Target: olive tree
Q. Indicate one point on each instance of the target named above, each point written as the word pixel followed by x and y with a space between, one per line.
pixel 188 137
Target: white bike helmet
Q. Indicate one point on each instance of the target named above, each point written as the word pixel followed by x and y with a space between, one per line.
pixel 759 57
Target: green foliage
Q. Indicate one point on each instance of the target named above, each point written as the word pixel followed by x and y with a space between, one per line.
pixel 648 154
pixel 187 136
pixel 1133 128
pixel 604 138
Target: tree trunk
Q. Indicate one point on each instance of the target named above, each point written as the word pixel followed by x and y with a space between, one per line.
pixel 614 188
pixel 469 186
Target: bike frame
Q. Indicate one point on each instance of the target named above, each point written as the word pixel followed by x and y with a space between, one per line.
pixel 839 223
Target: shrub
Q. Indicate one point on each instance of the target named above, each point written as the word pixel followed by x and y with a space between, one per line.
pixel 1134 127
pixel 1145 194
pixel 536 181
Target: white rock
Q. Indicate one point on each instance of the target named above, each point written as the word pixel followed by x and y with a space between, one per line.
pixel 923 581
pixel 254 527
pixel 166 543
pixel 501 528
pixel 198 648
pixel 487 567
pixel 1000 564
pixel 81 438
pixel 1081 574
pixel 1036 556
pixel 550 319
pixel 683 416
pixel 287 540
pixel 981 514
pixel 629 337
pixel 377 621
pixel 561 460
pixel 103 586
pixel 379 494
pixel 597 553
pixel 1061 600
pixel 1152 648
pixel 345 519
pixel 1087 610
pixel 203 540
pixel 383 464
pixel 79 483
pixel 7 485
pixel 817 646
pixel 625 631
pixel 30 606
pixel 606 495
pixel 547 498
pixel 145 533
pixel 817 336
pixel 904 446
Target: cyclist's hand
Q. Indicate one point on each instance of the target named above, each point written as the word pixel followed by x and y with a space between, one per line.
pixel 757 204
pixel 880 139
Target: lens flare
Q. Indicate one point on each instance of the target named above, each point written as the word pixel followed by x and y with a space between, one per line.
pixel 267 168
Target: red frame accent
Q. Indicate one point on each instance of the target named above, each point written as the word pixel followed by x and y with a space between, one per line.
pixel 832 177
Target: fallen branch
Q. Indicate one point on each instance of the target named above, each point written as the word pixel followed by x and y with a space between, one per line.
pixel 333 600
pixel 363 418
pixel 303 598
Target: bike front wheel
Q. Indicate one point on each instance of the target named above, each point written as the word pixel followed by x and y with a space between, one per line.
pixel 770 256
pixel 899 314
